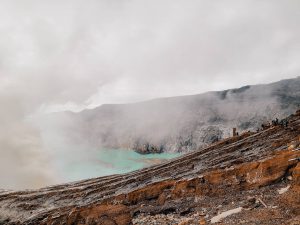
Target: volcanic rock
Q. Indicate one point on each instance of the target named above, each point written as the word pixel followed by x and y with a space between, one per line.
pixel 243 172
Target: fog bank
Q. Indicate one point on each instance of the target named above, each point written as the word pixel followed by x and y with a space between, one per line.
pixel 71 55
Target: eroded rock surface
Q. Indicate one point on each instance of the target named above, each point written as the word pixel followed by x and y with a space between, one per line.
pixel 245 172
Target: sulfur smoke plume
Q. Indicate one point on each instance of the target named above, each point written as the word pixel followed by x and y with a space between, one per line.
pixel 77 54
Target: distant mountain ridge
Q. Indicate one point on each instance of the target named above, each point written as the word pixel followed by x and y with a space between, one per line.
pixel 185 123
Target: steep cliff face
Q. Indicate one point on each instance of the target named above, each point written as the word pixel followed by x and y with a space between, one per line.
pixel 249 179
pixel 184 123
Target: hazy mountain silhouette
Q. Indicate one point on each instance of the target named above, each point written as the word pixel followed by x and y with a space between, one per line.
pixel 182 123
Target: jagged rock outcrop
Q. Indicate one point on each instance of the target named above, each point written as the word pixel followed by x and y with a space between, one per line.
pixel 180 124
pixel 252 179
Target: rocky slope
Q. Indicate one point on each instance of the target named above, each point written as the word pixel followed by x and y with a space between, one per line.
pixel 253 178
pixel 182 123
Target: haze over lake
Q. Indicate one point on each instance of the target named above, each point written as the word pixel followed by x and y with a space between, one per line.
pixel 102 162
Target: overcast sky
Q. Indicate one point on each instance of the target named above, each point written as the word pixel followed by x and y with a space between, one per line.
pixel 90 52
pixel 72 54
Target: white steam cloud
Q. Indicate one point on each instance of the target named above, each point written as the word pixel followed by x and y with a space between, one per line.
pixel 74 54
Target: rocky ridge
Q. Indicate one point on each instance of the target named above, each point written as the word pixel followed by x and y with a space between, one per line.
pixel 253 178
pixel 180 124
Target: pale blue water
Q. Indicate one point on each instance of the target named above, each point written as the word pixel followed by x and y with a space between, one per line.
pixel 107 162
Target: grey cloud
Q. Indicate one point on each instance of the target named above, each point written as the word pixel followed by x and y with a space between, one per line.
pixel 85 53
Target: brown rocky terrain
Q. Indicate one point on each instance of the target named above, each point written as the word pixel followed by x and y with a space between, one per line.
pixel 253 178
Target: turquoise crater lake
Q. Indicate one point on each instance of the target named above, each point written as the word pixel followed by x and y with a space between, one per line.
pixel 107 162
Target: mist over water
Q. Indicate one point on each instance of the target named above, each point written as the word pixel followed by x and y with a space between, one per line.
pixel 73 55
pixel 75 160
pixel 104 162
